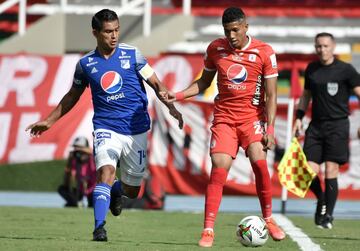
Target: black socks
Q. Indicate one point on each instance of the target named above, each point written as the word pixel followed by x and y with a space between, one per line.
pixel 315 187
pixel 331 193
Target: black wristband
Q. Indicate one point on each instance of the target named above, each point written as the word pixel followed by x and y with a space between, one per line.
pixel 300 114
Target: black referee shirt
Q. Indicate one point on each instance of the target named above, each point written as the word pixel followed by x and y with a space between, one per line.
pixel 330 87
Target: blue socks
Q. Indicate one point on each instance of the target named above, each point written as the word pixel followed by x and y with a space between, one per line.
pixel 101 199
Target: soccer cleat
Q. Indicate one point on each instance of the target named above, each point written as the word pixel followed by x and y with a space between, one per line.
pixel 207 239
pixel 327 222
pixel 320 214
pixel 274 230
pixel 116 202
pixel 116 205
pixel 99 233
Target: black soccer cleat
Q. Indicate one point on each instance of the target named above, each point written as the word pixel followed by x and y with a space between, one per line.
pixel 99 233
pixel 116 204
pixel 327 222
pixel 320 214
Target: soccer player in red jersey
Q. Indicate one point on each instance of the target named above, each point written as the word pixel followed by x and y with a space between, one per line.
pixel 246 78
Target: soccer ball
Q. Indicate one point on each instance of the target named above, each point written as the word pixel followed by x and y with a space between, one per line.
pixel 252 231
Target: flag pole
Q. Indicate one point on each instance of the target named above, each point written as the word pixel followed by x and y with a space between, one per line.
pixel 290 115
pixel 295 91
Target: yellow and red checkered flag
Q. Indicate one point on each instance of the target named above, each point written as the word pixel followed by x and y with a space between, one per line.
pixel 294 172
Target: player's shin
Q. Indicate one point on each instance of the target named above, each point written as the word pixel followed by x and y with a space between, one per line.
pixel 263 186
pixel 213 196
pixel 101 199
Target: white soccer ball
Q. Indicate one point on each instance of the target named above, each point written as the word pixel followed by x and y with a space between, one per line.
pixel 252 231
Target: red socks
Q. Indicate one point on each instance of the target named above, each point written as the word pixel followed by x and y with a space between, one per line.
pixel 263 186
pixel 215 189
pixel 213 195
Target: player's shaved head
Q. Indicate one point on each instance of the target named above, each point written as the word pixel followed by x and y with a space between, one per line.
pixel 102 16
pixel 233 14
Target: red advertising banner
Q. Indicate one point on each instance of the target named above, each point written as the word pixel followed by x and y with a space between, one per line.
pixel 31 86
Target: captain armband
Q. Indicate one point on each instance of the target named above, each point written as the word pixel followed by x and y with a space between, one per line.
pixel 146 72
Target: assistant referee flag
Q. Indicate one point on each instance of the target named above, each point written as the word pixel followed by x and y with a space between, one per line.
pixel 294 171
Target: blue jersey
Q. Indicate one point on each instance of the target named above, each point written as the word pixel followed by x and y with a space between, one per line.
pixel 118 94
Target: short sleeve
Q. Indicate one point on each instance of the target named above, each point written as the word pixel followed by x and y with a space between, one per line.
pixel 270 68
pixel 208 59
pixel 80 80
pixel 354 77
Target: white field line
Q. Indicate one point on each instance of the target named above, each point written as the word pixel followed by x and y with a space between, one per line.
pixel 295 233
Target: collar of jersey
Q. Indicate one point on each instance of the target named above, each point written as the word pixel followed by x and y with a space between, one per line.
pixel 245 47
pixel 102 57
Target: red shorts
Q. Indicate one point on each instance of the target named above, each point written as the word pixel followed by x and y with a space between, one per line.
pixel 227 138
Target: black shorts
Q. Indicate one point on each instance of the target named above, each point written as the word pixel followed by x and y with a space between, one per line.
pixel 327 141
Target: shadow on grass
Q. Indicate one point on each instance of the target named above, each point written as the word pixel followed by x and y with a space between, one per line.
pixel 16 238
pixel 58 238
pixel 157 243
pixel 335 238
pixel 26 238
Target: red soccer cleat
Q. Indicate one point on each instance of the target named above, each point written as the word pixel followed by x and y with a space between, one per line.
pixel 207 239
pixel 274 230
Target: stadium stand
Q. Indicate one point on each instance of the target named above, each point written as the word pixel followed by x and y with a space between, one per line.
pixel 297 21
pixel 63 24
pixel 289 26
pixel 9 19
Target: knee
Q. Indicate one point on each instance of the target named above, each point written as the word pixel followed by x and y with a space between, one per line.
pixel 221 160
pixel 106 174
pixel 331 172
pixel 315 167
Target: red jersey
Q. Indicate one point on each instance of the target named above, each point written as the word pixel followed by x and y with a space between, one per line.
pixel 240 78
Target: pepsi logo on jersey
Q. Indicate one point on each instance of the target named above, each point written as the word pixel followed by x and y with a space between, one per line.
pixel 111 82
pixel 237 73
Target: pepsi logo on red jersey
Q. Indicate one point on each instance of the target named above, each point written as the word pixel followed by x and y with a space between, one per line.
pixel 237 73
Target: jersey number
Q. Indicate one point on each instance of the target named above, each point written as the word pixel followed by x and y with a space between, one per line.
pixel 258 129
pixel 142 155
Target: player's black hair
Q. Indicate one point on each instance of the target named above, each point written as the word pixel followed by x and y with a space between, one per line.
pixel 105 15
pixel 325 34
pixel 232 14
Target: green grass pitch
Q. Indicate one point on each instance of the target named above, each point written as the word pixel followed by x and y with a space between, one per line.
pixel 70 229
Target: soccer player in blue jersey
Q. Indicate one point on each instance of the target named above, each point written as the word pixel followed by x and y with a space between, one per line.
pixel 115 73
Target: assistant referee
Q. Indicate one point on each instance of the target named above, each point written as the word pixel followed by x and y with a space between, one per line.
pixel 329 82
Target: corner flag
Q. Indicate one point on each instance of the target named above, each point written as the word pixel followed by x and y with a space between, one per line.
pixel 294 172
